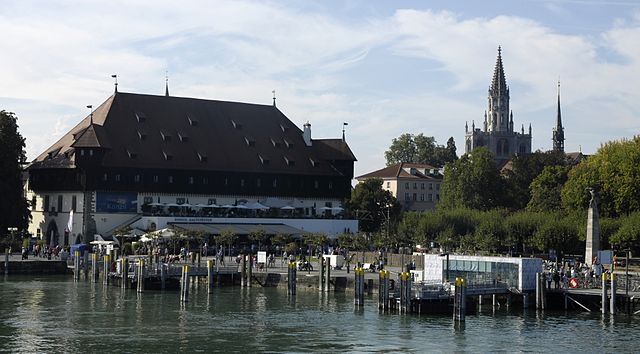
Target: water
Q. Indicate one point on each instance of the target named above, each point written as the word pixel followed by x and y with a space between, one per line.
pixel 55 314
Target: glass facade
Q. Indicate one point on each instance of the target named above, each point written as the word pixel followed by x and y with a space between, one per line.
pixel 483 273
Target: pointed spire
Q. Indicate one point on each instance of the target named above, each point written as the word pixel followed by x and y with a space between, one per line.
pixel 166 83
pixel 473 125
pixel 466 127
pixel 559 119
pixel 344 125
pixel 91 114
pixel 529 129
pixel 116 82
pixel 558 131
pixel 522 129
pixel 499 83
pixel 274 97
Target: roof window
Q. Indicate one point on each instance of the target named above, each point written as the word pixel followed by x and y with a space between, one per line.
pixel 287 143
pixel 131 154
pixel 140 117
pixel 192 121
pixel 165 136
pixel 183 138
pixel 313 162
pixel 289 161
pixel 283 128
pixel 142 135
pixel 250 141
pixel 263 160
pixel 167 156
pixel 202 157
pixel 236 124
pixel 275 143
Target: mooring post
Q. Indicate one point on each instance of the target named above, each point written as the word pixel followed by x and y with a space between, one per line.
pixel 381 276
pixel 321 274
pixel 6 261
pixel 291 279
pixel 163 276
pixel 76 265
pixel 525 301
pixel 243 270
pixel 125 273
pixel 543 291
pixel 86 264
pixel 603 299
pixel 106 265
pixel 612 304
pixel 209 275
pixel 250 272
pixel 459 300
pixel 327 283
pixel 184 286
pixel 94 267
pixel 359 286
pixel 387 281
pixel 141 275
pixel 538 300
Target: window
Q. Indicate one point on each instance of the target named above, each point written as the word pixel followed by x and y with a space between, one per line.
pixel 275 183
pixel 155 179
pixel 289 161
pixel 242 182
pixel 81 152
pixel 180 200
pixel 46 203
pixel 437 186
pixel 183 138
pixel 105 177
pixel 170 179
pixel 275 143
pixel 59 203
pixel 258 183
pixel 136 178
pixel 437 196
pixel 422 197
pixel 430 186
pixel 90 152
pixel 140 117
pixel 330 185
pixel 422 185
pixel 263 160
pixel 131 154
pixel 167 156
pixel 415 185
pixel 226 181
pixel 205 180
pixel 74 201
pixel 211 201
pixel 190 180
pixel 34 201
pixel 415 197
pixel 250 141
pixel 236 124
pixel 202 157
pixel 406 196
pixel 118 178
pixel 165 136
pixel 388 185
pixel 315 184
pixel 142 135
pixel 148 200
pixel 406 185
pixel 430 197
pixel 192 121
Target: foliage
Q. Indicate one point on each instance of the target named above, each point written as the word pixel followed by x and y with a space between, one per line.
pixel 258 235
pixel 525 168
pixel 227 237
pixel 291 248
pixel 370 204
pixel 521 227
pixel 420 149
pixel 281 239
pixel 490 233
pixel 473 182
pixel 615 172
pixel 316 239
pixel 546 189
pixel 628 232
pixel 354 242
pixel 557 234
pixel 13 205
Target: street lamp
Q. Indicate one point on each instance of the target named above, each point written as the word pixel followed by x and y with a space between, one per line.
pixel 446 280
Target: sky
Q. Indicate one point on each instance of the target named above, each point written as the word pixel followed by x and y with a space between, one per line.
pixel 384 67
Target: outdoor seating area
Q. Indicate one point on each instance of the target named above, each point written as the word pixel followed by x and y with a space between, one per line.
pixel 248 210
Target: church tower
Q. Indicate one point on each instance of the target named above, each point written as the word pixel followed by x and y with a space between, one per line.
pixel 558 131
pixel 497 132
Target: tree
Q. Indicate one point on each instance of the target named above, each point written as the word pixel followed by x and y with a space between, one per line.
pixel 258 235
pixel 316 240
pixel 227 237
pixel 546 189
pixel 615 172
pixel 281 239
pixel 557 234
pixel 473 181
pixel 14 208
pixel 490 233
pixel 421 149
pixel 525 168
pixel 371 205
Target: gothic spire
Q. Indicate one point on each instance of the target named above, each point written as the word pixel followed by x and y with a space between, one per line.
pixel 499 83
pixel 166 84
pixel 558 131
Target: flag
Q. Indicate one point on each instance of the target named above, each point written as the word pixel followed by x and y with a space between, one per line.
pixel 70 223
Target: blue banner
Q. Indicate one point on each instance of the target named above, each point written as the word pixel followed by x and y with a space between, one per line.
pixel 114 202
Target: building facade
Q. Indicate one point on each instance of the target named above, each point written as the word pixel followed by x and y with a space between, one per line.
pixel 415 186
pixel 497 132
pixel 138 158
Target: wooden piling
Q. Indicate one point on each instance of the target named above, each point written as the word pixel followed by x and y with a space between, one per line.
pixel 459 300
pixel 538 291
pixel 291 279
pixel 603 298
pixel 327 281
pixel 243 270
pixel 209 276
pixel 76 265
pixel 106 265
pixel 94 267
pixel 124 266
pixel 6 261
pixel 250 270
pixel 85 261
pixel 140 282
pixel 359 286
pixel 184 284
pixel 321 274
pixel 163 276
pixel 612 303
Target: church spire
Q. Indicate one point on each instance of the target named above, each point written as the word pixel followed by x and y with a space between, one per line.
pixel 558 131
pixel 499 83
pixel 166 84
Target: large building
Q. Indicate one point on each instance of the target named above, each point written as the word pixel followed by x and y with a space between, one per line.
pixel 415 186
pixel 497 132
pixel 147 161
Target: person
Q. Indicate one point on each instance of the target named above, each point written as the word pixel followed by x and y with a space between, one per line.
pixel 556 279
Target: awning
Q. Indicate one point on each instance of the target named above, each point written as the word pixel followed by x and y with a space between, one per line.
pixel 242 229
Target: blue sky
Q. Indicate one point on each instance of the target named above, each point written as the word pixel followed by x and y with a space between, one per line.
pixel 385 67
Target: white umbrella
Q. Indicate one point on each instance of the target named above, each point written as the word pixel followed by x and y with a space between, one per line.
pixel 228 206
pixel 186 205
pixel 338 209
pixel 257 206
pixel 156 204
pixel 242 206
pixel 287 207
pixel 173 205
pixel 164 233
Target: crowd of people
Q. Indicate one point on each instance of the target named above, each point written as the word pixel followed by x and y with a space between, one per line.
pixel 585 276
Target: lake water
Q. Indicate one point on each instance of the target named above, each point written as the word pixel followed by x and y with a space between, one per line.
pixel 55 314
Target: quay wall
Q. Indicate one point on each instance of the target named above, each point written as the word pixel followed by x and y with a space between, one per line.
pixel 35 267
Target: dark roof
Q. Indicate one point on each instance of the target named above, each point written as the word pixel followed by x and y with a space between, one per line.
pixel 148 131
pixel 399 170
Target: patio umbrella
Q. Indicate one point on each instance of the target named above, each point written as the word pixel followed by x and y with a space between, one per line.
pixel 287 207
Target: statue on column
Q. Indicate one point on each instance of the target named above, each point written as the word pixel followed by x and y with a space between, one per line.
pixel 593 228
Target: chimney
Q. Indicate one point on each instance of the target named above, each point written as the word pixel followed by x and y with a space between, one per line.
pixel 306 134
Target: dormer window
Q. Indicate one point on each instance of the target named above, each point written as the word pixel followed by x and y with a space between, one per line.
pixel 165 136
pixel 140 117
pixel 275 143
pixel 202 157
pixel 192 121
pixel 81 152
pixel 289 161
pixel 249 141
pixel 263 160
pixel 287 143
pixel 183 138
pixel 236 125
pixel 283 128
pixel 314 163
pixel 167 156
pixel 131 154
pixel 142 135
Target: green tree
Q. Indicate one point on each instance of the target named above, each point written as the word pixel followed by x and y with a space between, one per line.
pixel 372 205
pixel 615 172
pixel 490 233
pixel 473 181
pixel 546 189
pixel 14 208
pixel 525 168
pixel 258 235
pixel 421 149
pixel 628 232
pixel 281 239
pixel 316 240
pixel 557 234
pixel 227 237
pixel 521 227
